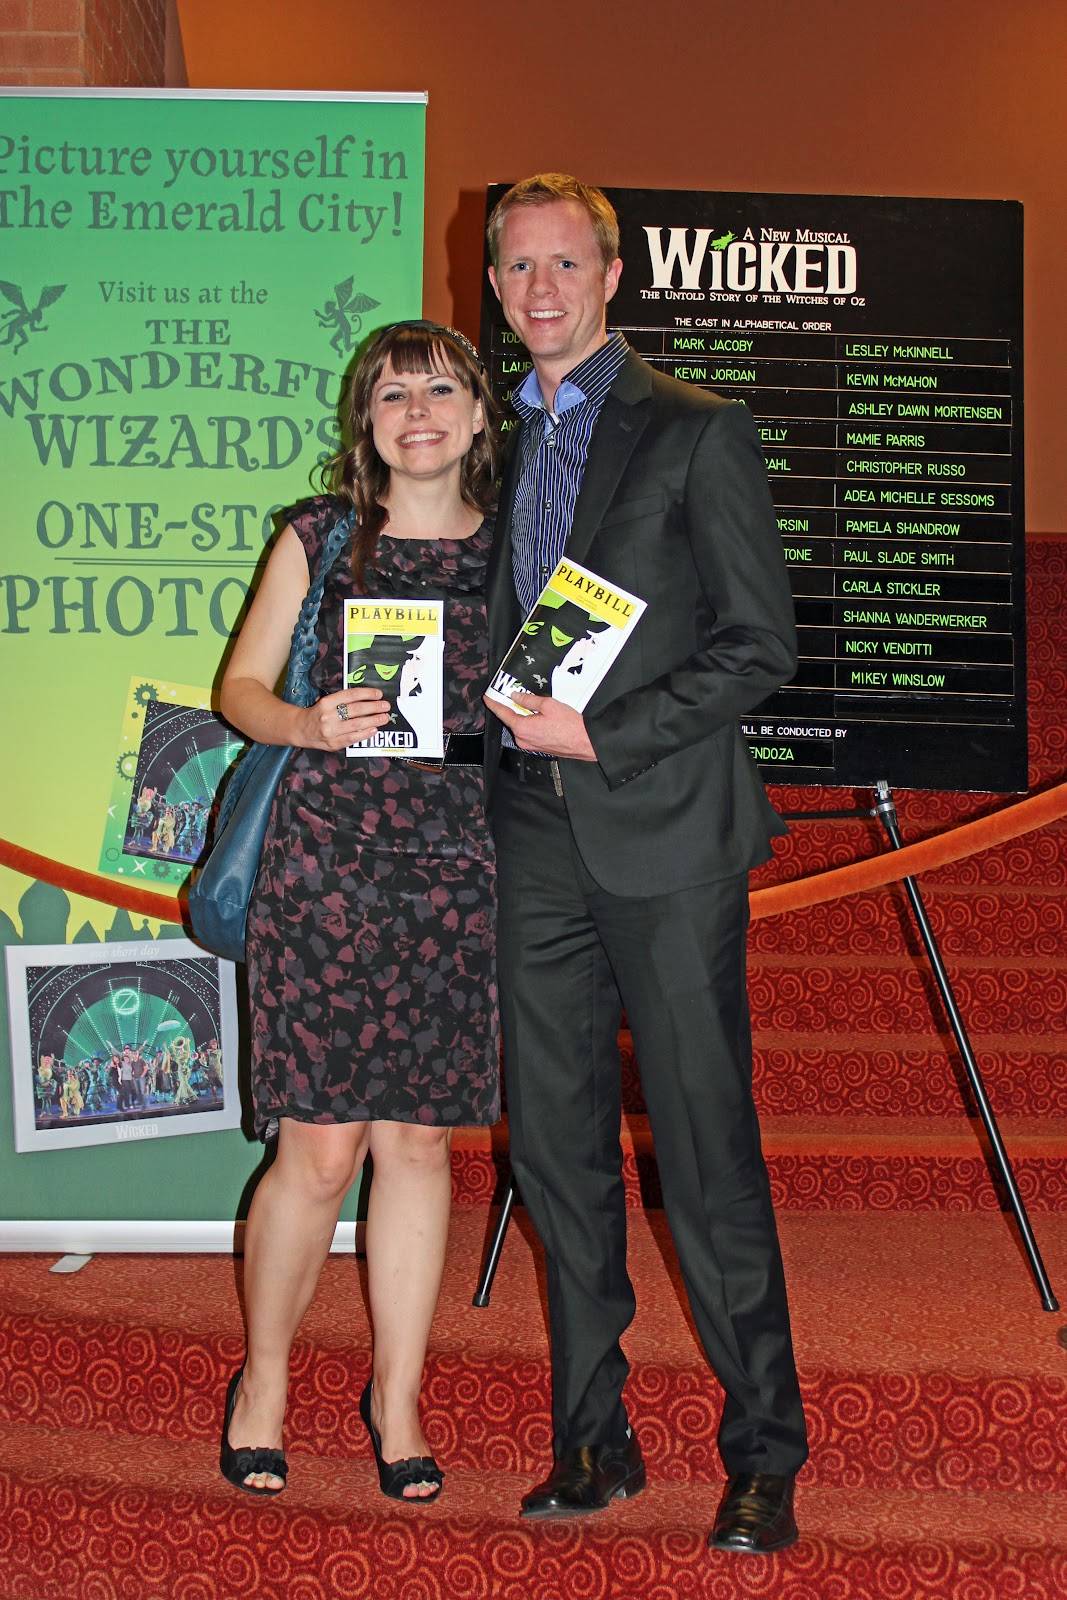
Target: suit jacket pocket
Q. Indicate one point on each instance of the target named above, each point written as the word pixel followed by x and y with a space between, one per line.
pixel 645 505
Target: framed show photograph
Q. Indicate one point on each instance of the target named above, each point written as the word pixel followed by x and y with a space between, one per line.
pixel 119 1042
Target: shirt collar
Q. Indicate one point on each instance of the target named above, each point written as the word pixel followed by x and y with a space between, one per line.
pixel 589 382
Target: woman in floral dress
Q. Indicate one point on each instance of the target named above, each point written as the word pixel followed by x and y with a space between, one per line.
pixel 370 932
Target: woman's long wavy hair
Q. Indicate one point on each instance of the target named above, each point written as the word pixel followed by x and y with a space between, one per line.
pixel 359 474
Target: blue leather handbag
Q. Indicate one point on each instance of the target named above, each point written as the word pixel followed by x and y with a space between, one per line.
pixel 218 898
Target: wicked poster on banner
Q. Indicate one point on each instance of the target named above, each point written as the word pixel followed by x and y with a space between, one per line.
pixel 878 344
pixel 172 756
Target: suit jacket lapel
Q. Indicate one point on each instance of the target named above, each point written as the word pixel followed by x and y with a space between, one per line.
pixel 622 420
pixel 503 607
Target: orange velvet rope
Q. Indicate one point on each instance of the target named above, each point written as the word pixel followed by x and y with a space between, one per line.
pixel 146 902
pixel 873 873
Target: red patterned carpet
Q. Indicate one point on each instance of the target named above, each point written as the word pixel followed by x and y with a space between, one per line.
pixel 936 1387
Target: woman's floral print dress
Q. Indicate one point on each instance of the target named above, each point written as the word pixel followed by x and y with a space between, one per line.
pixel 371 927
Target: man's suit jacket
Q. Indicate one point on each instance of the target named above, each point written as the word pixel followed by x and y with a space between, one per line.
pixel 674 506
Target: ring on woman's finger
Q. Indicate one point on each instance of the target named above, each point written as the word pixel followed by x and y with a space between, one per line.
pixel 342 712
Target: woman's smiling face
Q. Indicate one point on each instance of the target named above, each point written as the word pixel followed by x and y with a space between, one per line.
pixel 423 423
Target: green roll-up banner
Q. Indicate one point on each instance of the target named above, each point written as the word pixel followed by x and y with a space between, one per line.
pixel 184 281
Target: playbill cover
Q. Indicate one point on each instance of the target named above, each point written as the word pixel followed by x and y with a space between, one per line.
pixel 398 647
pixel 569 640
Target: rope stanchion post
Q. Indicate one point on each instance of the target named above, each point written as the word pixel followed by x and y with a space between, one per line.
pixel 496 1244
pixel 886 812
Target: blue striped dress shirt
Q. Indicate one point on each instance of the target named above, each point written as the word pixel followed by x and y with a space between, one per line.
pixel 555 448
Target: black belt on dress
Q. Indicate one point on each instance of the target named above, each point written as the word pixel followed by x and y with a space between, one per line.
pixel 540 770
pixel 461 750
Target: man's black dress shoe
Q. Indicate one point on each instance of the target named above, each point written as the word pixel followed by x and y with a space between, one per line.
pixel 755 1515
pixel 588 1479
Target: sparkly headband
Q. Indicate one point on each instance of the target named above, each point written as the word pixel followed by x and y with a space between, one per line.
pixel 445 332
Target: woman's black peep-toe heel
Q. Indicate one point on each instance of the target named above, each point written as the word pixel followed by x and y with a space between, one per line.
pixel 396 1476
pixel 237 1465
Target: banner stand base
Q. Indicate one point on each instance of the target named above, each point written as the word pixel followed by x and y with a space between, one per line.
pixel 147 1238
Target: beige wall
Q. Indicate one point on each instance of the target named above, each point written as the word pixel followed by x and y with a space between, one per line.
pixel 910 97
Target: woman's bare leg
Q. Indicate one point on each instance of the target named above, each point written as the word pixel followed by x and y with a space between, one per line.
pixel 287 1238
pixel 407 1231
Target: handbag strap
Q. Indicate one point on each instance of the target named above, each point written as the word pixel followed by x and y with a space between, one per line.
pixel 302 651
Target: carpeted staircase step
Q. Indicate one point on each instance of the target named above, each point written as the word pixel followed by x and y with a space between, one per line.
pixel 909 1076
pixel 912 1075
pixel 1046 621
pixel 141 1518
pixel 912 1163
pixel 840 995
pixel 813 1073
pixel 876 1430
pixel 971 1395
pixel 1048 747
pixel 908 1163
pixel 998 920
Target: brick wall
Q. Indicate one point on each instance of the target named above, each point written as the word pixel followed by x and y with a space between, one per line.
pixel 113 44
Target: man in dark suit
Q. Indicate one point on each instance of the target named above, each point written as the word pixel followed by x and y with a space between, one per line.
pixel 625 835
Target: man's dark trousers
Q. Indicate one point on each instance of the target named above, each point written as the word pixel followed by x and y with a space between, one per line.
pixel 571 954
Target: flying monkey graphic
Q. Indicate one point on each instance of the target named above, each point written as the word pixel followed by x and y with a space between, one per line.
pixel 21 322
pixel 344 314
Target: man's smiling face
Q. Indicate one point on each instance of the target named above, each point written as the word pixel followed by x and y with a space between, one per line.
pixel 554 287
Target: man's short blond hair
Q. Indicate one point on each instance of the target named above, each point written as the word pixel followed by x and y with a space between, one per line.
pixel 541 190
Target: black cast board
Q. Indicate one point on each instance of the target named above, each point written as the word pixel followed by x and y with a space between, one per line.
pixel 878 343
